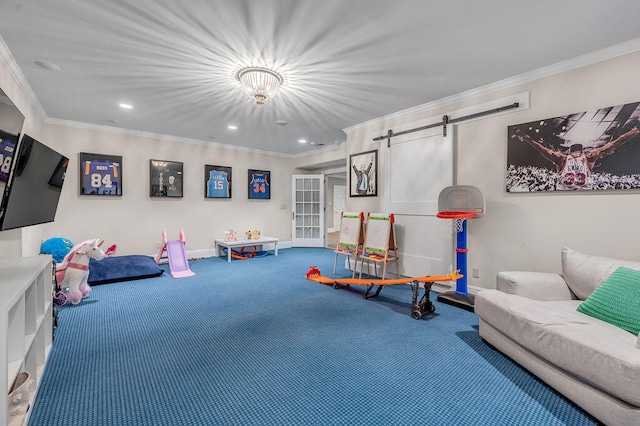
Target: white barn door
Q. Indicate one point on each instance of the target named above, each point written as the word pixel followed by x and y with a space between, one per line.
pixel 416 167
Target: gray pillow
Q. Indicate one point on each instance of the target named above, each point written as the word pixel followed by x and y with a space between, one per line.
pixel 584 273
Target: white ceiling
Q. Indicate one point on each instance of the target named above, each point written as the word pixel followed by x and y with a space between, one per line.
pixel 344 62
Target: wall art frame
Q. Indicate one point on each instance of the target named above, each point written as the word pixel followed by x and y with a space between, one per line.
pixel 363 174
pixel 100 174
pixel 259 184
pixel 166 178
pixel 217 181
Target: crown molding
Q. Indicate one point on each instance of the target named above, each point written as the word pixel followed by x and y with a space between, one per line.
pixel 12 66
pixel 595 57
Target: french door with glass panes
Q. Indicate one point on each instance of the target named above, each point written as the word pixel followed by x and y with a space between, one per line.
pixel 307 224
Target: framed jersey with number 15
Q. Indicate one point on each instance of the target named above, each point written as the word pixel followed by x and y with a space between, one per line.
pixel 100 174
pixel 217 181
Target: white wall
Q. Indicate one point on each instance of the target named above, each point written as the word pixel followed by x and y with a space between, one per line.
pixel 527 231
pixel 135 221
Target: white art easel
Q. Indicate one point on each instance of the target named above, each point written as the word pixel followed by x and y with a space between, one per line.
pixel 351 238
pixel 379 243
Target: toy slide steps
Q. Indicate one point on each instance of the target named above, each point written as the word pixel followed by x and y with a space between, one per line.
pixel 178 260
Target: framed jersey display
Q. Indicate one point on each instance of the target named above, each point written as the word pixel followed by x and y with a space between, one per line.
pixel 165 178
pixel 217 181
pixel 591 150
pixel 100 174
pixel 259 184
pixel 7 148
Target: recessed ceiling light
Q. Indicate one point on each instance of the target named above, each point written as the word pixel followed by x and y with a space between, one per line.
pixel 281 122
pixel 49 66
pixel 126 106
pixel 232 127
pixel 302 140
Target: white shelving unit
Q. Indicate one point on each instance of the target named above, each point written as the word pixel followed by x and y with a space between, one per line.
pixel 26 286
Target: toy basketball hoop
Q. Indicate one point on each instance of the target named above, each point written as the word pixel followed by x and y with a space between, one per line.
pixel 455 220
pixel 456 204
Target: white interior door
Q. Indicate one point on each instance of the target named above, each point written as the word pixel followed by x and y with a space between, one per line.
pixel 418 166
pixel 339 200
pixel 307 219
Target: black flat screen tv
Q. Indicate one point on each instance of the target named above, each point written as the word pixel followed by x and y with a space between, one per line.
pixel 33 188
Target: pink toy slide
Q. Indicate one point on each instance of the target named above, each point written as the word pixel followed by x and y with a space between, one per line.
pixel 176 256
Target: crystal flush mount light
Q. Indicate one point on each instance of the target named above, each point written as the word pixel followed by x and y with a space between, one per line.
pixel 260 83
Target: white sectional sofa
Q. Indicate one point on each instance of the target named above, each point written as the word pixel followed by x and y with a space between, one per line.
pixel 532 318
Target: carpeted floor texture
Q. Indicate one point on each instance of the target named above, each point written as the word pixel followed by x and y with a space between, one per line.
pixel 255 343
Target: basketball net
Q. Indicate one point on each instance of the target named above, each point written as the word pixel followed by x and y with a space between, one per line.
pixel 454 222
pixel 453 225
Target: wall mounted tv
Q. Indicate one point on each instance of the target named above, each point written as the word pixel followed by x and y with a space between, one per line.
pixel 33 187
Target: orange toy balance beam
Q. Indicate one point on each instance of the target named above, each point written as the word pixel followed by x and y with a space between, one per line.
pixel 418 307
pixel 314 275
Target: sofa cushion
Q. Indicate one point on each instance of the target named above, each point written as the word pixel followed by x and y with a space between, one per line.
pixel 616 300
pixel 584 273
pixel 597 352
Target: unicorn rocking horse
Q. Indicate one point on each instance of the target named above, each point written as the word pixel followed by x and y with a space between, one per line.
pixel 73 271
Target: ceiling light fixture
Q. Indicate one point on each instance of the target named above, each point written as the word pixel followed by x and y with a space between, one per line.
pixel 126 106
pixel 259 83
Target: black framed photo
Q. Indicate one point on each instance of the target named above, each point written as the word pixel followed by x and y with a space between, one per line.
pixel 363 174
pixel 259 184
pixel 100 174
pixel 217 181
pixel 165 178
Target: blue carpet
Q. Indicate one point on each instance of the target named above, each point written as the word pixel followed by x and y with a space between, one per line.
pixel 254 343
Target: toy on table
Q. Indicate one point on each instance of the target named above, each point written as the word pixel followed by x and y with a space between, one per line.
pixel 230 235
pixel 252 235
pixel 73 271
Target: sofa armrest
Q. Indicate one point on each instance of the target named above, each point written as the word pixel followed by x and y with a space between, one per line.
pixel 534 285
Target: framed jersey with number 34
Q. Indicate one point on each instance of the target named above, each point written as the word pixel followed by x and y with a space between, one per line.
pixel 100 174
pixel 259 184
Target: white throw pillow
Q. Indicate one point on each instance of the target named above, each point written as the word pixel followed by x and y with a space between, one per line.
pixel 584 273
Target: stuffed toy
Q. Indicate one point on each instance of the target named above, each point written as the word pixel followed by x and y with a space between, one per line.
pixel 73 271
pixel 58 248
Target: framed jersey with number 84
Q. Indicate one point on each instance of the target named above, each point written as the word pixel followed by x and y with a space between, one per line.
pixel 100 174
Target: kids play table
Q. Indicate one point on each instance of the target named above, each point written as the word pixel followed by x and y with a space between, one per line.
pixel 220 243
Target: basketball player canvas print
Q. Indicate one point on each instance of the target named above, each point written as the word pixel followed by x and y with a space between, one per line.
pixel 166 178
pixel 363 174
pixel 586 151
pixel 217 181
pixel 100 174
